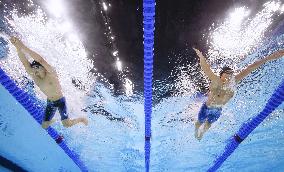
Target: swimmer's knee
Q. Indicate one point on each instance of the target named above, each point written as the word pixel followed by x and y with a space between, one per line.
pixel 207 124
pixel 44 125
pixel 197 124
pixel 66 123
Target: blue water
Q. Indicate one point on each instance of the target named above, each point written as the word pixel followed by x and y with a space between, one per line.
pixel 114 138
pixel 107 145
pixel 25 143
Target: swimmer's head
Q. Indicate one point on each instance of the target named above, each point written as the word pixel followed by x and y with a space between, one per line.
pixel 226 73
pixel 35 64
pixel 38 69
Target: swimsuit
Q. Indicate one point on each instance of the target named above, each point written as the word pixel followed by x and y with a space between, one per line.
pixel 211 114
pixel 52 106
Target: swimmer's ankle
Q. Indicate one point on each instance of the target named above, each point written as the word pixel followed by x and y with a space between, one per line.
pixel 46 124
pixel 84 120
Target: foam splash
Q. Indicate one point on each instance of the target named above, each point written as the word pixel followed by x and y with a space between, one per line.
pixel 66 54
pixel 240 34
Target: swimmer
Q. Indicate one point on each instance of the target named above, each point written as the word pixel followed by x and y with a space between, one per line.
pixel 222 89
pixel 45 77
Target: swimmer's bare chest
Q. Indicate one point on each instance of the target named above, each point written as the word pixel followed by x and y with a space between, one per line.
pixel 50 86
pixel 218 95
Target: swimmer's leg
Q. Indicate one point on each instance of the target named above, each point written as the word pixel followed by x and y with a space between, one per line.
pixel 211 118
pixel 48 115
pixel 46 124
pixel 64 117
pixel 197 126
pixel 202 115
pixel 207 125
pixel 70 122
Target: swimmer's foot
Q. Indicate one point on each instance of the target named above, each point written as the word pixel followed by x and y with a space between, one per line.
pixel 200 135
pixel 196 133
pixel 199 138
pixel 85 121
pixel 46 124
pixel 70 122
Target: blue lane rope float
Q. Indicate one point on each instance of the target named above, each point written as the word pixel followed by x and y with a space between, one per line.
pixel 275 100
pixel 31 104
pixel 148 29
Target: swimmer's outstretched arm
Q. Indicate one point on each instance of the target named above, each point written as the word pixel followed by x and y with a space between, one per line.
pixel 22 56
pixel 24 49
pixel 257 64
pixel 205 66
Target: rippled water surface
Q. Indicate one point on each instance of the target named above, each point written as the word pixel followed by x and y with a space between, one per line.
pixel 114 138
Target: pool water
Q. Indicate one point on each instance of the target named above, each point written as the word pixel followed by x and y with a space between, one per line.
pixel 114 138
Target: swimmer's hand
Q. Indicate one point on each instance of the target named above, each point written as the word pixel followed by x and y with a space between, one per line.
pixel 276 55
pixel 16 42
pixel 199 53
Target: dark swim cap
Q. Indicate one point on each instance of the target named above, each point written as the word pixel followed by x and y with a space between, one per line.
pixel 35 63
pixel 224 69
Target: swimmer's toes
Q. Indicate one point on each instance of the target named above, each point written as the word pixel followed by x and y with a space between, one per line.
pixel 199 138
pixel 196 134
pixel 85 121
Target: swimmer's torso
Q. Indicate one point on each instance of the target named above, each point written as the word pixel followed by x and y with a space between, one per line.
pixel 49 85
pixel 219 94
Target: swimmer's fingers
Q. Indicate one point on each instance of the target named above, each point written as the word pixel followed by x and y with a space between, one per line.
pixel 276 55
pixel 197 51
pixel 13 40
pixel 16 42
